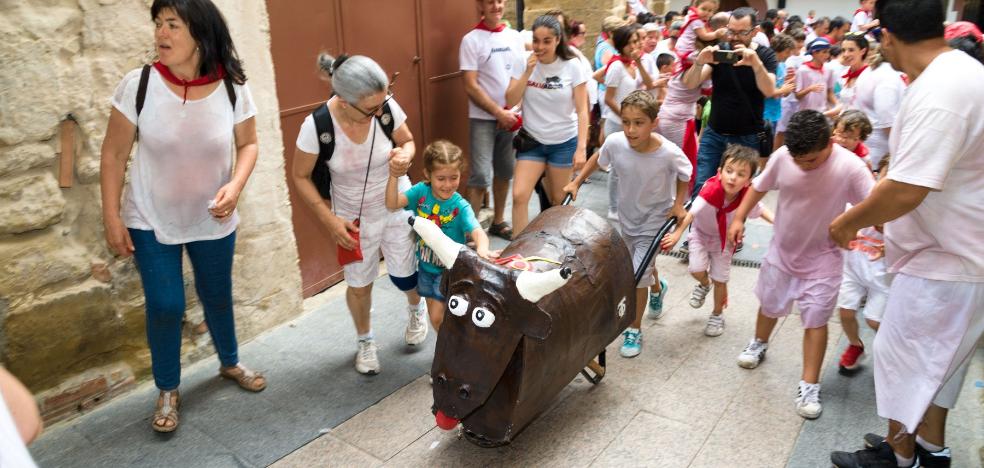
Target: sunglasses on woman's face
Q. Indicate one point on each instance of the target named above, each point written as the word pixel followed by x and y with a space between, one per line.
pixel 376 109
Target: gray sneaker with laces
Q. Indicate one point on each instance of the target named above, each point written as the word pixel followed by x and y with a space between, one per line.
pixel 808 400
pixel 366 359
pixel 417 328
pixel 753 354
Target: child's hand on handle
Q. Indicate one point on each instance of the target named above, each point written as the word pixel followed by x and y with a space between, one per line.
pixel 670 239
pixel 678 212
pixel 571 188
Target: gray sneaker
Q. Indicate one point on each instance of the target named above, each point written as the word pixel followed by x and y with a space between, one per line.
pixel 697 296
pixel 417 325
pixel 808 400
pixel 715 325
pixel 366 360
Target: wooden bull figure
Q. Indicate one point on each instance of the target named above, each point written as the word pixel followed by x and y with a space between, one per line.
pixel 514 335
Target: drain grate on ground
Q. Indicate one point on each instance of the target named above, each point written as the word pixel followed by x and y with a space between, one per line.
pixel 734 261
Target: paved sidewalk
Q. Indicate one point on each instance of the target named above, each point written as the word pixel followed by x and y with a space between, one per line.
pixel 683 402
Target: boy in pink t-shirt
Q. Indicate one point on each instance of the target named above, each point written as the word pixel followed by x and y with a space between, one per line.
pixel 814 81
pixel 710 254
pixel 816 180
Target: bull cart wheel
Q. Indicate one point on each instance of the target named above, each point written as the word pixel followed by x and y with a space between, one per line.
pixel 595 367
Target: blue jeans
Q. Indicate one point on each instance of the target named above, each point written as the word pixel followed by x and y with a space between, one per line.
pixel 429 284
pixel 712 146
pixel 559 155
pixel 163 284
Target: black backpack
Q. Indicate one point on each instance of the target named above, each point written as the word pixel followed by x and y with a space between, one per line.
pixel 145 76
pixel 321 175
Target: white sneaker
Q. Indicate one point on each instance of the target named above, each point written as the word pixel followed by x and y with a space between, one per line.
pixel 698 295
pixel 715 325
pixel 808 400
pixel 753 354
pixel 613 215
pixel 417 325
pixel 366 360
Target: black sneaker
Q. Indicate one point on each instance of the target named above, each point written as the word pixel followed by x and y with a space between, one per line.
pixel 929 459
pixel 879 456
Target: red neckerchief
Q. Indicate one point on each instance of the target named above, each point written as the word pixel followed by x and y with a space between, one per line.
pixel 200 81
pixel 861 150
pixel 829 39
pixel 852 74
pixel 618 58
pixel 814 66
pixel 713 193
pixel 859 10
pixel 481 26
pixel 905 78
pixel 691 17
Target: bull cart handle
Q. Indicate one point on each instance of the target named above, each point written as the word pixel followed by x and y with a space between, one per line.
pixel 654 247
pixel 567 200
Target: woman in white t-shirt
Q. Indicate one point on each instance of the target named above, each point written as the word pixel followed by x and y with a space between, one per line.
pixel 355 209
pixel 854 56
pixel 551 85
pixel 197 150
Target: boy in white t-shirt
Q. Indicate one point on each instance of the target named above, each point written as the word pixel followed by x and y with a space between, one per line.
pixel 815 81
pixel 655 175
pixel 816 179
pixel 709 255
pixel 486 57
pixel 864 17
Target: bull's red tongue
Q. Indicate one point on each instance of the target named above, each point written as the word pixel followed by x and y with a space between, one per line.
pixel 445 422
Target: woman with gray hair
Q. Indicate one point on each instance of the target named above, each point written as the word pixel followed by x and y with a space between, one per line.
pixel 340 171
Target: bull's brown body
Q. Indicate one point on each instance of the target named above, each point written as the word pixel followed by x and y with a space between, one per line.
pixel 496 380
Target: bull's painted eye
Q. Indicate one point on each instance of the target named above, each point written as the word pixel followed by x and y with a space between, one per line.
pixel 482 318
pixel 458 305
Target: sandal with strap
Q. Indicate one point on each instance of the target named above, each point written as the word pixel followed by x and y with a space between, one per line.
pixel 503 230
pixel 166 415
pixel 247 379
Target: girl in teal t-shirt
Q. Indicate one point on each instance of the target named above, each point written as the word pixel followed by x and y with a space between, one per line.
pixel 437 199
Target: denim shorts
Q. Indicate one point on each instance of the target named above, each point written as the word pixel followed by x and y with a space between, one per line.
pixel 559 155
pixel 429 284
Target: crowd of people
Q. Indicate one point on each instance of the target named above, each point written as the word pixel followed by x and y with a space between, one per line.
pixel 694 115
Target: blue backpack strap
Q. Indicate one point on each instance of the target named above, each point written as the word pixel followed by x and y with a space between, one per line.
pixel 325 129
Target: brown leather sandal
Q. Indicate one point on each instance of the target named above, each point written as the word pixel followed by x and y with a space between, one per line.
pixel 166 415
pixel 247 379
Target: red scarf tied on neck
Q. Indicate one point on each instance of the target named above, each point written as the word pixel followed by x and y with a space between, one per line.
pixel 200 81
pixel 713 193
pixel 814 66
pixel 618 58
pixel 852 74
pixel 481 26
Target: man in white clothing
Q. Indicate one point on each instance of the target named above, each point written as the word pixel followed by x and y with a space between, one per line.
pixel 930 205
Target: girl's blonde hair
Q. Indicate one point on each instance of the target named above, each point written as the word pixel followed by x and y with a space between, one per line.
pixel 444 153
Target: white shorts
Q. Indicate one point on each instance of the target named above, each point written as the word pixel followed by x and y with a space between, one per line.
pixel 706 256
pixel 923 345
pixel 777 290
pixel 863 277
pixel 638 245
pixel 391 234
pixel 787 110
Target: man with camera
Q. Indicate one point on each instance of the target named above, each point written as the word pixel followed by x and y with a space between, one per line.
pixel 743 75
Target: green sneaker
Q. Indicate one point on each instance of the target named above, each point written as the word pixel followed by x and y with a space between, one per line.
pixel 632 345
pixel 656 301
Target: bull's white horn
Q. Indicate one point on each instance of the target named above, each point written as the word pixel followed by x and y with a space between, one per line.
pixel 534 285
pixel 442 245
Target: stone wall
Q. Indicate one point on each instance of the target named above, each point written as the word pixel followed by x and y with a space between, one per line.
pixel 71 316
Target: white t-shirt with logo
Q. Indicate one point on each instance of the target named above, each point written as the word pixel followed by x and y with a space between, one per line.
pixel 646 182
pixel 349 162
pixel 493 56
pixel 619 78
pixel 937 142
pixel 184 156
pixel 549 114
